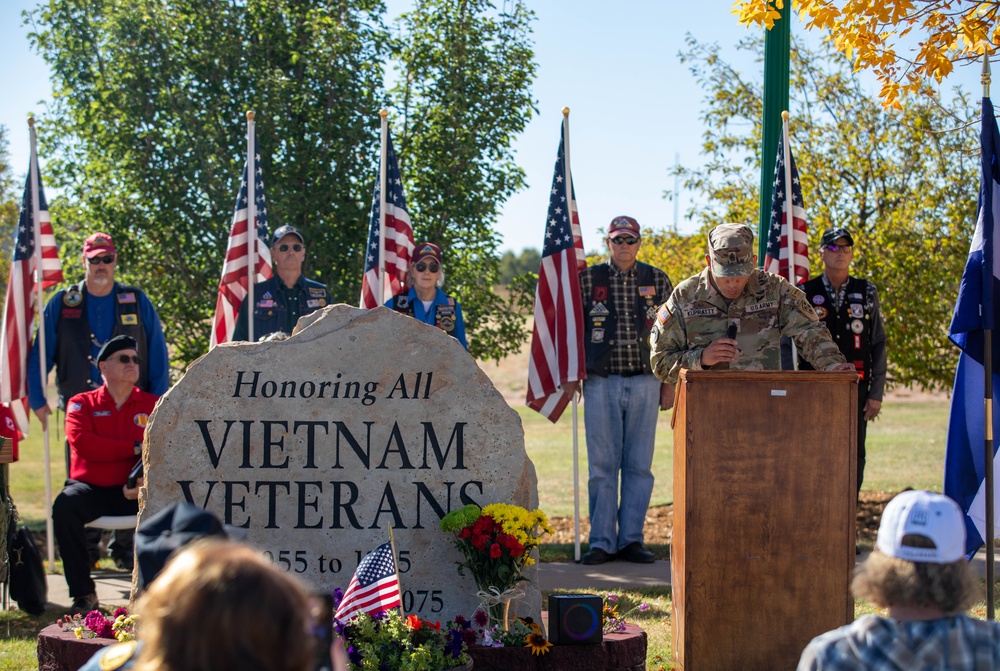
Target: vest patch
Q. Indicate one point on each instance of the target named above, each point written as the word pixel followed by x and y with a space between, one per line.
pixel 701 312
pixel 818 300
pixel 599 309
pixel 600 293
pixel 317 292
pixel 821 312
pixel 312 303
pixel 130 320
pixel 141 419
pixel 857 326
pixel 766 305
pixel 126 297
pixel 68 313
pixel 265 303
pixel 72 298
pixel 857 310
pixel 597 335
pixel 102 413
pixel 647 291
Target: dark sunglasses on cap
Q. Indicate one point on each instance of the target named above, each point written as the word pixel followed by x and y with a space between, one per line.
pixel 295 248
pixel 622 240
pixel 433 267
pixel 129 358
pixel 837 248
pixel 98 260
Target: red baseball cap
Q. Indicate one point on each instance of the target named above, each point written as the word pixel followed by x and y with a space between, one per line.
pixel 623 226
pixel 97 244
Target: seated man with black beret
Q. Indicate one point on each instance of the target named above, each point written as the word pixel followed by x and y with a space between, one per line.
pixel 104 429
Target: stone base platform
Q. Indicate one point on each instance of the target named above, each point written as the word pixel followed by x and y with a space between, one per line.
pixel 60 650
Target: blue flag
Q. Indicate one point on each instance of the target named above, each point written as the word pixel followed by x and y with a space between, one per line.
pixel 975 311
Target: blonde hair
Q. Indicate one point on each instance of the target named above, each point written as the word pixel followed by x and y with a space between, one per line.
pixel 220 606
pixel 887 581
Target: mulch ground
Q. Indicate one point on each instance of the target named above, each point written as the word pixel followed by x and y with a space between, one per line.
pixel 660 521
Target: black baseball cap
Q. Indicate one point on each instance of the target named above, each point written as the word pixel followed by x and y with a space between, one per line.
pixel 282 231
pixel 116 344
pixel 831 235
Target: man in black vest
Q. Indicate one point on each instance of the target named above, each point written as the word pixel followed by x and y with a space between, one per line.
pixel 286 296
pixel 850 309
pixel 79 320
pixel 621 395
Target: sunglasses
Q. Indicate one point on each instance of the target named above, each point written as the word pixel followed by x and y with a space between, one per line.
pixel 295 248
pixel 837 248
pixel 98 260
pixel 127 358
pixel 625 241
pixel 433 267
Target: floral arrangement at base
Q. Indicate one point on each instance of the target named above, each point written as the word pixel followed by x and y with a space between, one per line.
pixel 389 642
pixel 496 542
pixel 521 632
pixel 120 626
pixel 614 622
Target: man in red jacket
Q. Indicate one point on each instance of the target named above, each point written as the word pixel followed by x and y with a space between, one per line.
pixel 104 428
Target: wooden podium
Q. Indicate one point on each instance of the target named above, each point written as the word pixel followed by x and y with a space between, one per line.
pixel 764 515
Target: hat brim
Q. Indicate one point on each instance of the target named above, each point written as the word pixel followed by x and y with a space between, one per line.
pixel 294 233
pixel 99 251
pixel 731 269
pixel 622 232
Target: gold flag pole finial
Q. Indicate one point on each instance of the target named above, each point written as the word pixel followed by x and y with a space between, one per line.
pixel 986 74
pixel 784 116
pixel 565 111
pixel 31 120
pixel 383 113
pixel 250 115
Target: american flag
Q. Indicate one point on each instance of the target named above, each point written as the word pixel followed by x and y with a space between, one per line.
pixel 19 308
pixel 557 354
pixel 374 587
pixel 776 258
pixel 233 285
pixel 398 236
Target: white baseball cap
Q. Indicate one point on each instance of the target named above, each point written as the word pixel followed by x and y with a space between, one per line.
pixel 927 514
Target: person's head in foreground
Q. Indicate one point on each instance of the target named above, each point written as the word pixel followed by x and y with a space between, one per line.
pixel 426 269
pixel 919 558
pixel 919 573
pixel 730 257
pixel 220 605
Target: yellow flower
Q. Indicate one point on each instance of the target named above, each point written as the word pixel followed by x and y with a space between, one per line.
pixel 538 644
pixel 78 632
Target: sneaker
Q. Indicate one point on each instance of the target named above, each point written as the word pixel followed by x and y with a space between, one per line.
pixel 84 604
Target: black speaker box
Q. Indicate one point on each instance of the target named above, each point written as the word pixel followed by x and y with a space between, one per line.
pixel 575 619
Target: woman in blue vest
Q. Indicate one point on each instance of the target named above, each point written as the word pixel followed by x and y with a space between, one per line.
pixel 425 300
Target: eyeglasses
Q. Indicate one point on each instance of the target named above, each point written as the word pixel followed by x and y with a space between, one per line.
pixel 295 248
pixel 433 267
pixel 126 358
pixel 98 260
pixel 837 248
pixel 625 241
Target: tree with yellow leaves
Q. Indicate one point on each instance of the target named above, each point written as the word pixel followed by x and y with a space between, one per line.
pixel 876 35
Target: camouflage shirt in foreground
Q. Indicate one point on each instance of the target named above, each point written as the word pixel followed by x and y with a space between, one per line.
pixel 769 307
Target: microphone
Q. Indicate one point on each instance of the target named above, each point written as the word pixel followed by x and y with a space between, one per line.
pixel 731 334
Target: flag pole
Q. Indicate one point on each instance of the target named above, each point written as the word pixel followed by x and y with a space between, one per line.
pixel 382 183
pixel 988 418
pixel 568 185
pixel 251 220
pixel 43 367
pixel 395 567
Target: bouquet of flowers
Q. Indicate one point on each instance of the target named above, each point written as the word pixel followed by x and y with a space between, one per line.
pixel 614 622
pixel 496 542
pixel 95 624
pixel 389 642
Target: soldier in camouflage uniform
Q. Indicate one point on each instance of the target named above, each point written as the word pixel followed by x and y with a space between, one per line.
pixel 731 296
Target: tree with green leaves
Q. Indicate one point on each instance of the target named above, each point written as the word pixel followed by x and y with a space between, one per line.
pixel 463 96
pixel 905 184
pixel 146 137
pixel 9 207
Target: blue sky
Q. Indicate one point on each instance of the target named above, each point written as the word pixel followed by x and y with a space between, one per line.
pixel 634 107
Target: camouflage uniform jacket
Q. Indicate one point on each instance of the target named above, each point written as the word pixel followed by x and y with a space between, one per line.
pixel 769 307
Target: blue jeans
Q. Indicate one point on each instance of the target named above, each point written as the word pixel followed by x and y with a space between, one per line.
pixel 620 419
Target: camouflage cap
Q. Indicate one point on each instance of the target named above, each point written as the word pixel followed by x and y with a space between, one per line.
pixel 730 247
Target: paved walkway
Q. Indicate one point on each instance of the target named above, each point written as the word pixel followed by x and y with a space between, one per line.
pixel 113 586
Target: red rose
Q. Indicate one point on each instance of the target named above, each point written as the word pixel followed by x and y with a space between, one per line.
pixel 517 550
pixel 465 533
pixel 495 550
pixel 479 541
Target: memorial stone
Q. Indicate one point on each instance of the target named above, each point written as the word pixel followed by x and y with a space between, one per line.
pixel 314 446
